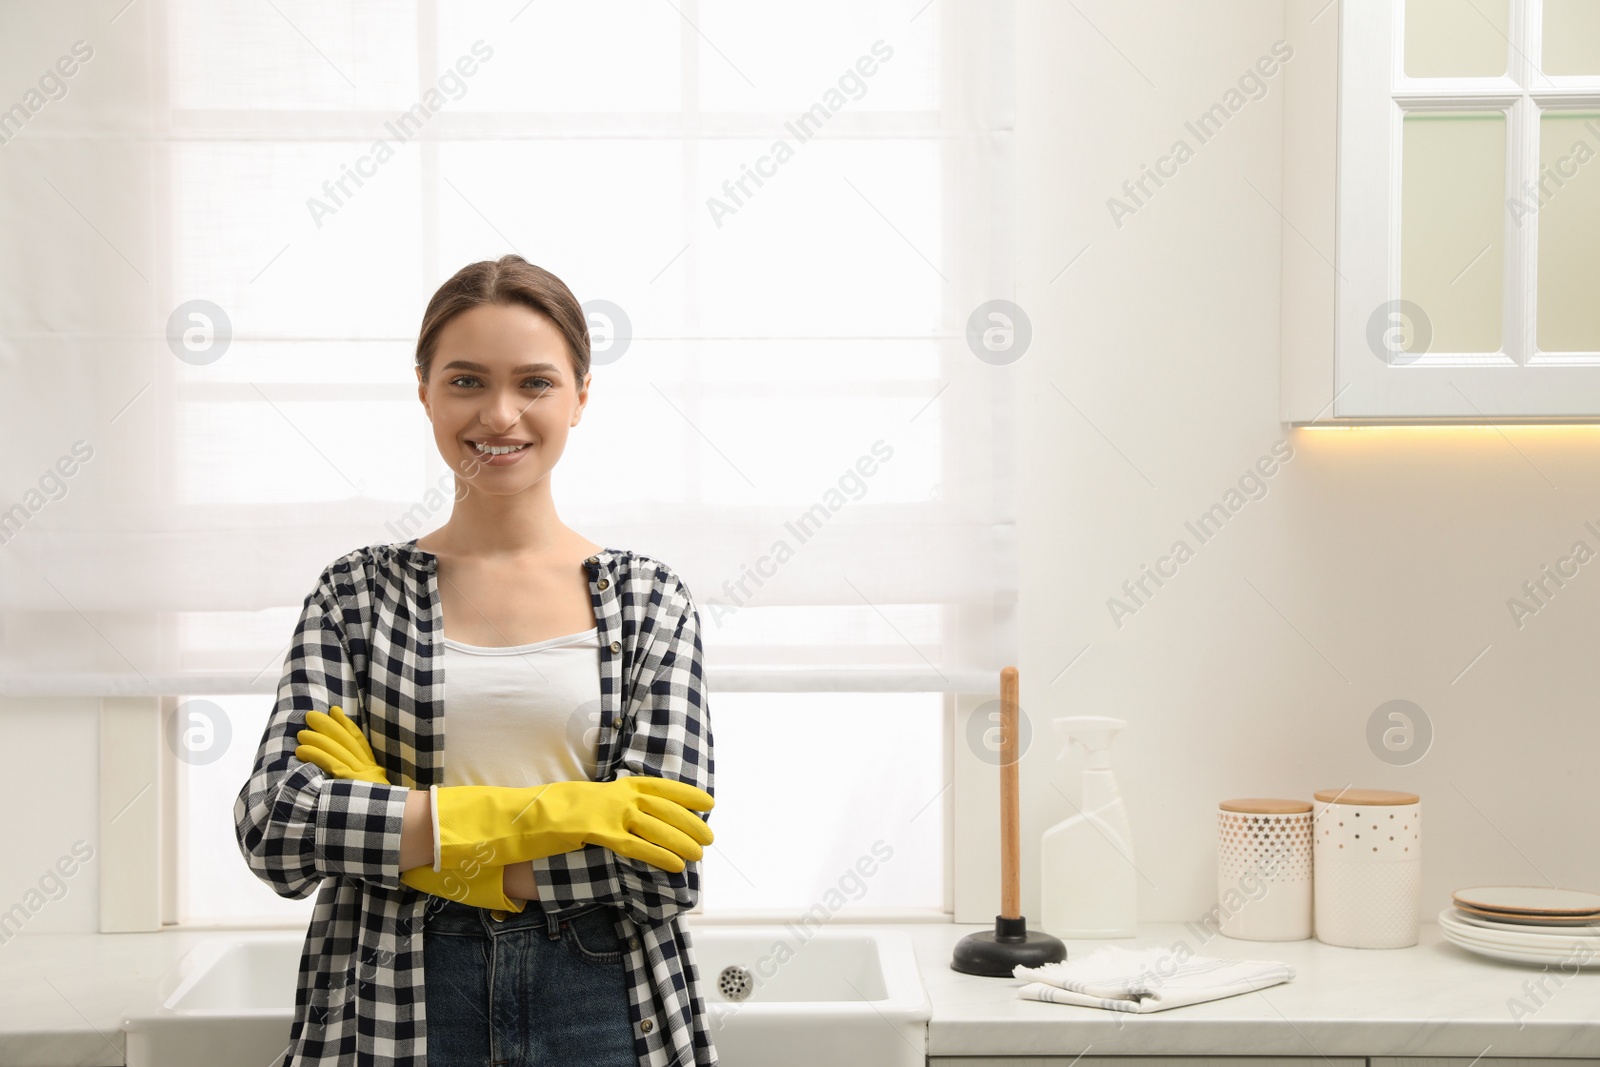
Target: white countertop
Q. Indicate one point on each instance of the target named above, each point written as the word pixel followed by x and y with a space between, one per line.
pixel 63 998
pixel 1432 999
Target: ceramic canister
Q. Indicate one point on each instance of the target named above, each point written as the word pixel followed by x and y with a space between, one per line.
pixel 1264 869
pixel 1367 862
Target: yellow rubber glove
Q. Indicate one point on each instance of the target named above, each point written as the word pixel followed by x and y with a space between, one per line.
pixel 337 745
pixel 479 884
pixel 641 816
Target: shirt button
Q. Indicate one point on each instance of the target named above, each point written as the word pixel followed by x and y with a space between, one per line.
pixel 645 1026
pixel 592 559
pixel 602 583
pixel 633 942
pixel 616 646
pixel 497 915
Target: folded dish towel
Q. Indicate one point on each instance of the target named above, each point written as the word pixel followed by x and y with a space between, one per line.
pixel 1146 979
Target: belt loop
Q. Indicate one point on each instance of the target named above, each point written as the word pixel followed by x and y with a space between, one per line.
pixel 552 926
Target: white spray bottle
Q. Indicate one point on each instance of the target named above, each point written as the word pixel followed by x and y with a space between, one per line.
pixel 1090 887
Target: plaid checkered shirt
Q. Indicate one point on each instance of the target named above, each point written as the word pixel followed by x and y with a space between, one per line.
pixel 368 641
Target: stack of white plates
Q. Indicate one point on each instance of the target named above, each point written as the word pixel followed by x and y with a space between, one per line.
pixel 1526 924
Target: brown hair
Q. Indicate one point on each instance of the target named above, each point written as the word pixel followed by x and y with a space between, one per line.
pixel 507 280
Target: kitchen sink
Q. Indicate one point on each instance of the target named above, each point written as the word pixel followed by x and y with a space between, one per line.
pixel 776 996
pixel 229 1000
pixel 781 996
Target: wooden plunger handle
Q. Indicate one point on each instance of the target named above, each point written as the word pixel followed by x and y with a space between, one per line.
pixel 1010 829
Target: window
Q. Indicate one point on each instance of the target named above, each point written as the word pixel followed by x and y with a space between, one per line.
pixel 765 321
pixel 858 826
pixel 214 749
pixel 1469 210
pixel 819 812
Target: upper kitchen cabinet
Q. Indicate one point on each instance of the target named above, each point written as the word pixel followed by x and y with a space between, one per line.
pixel 1441 247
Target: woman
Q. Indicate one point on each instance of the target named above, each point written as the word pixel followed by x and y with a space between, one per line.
pixel 426 865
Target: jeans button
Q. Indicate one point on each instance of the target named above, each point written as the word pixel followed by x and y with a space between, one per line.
pixel 497 915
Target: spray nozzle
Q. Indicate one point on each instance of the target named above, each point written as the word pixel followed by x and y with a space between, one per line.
pixel 1094 734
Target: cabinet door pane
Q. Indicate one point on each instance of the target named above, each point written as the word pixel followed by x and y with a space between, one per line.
pixel 1452 225
pixel 1456 38
pixel 1571 37
pixel 1569 231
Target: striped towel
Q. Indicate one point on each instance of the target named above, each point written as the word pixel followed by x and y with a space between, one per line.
pixel 1146 979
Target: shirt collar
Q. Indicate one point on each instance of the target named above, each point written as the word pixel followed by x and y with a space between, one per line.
pixel 422 560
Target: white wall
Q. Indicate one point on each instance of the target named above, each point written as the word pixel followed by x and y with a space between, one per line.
pixel 1378 565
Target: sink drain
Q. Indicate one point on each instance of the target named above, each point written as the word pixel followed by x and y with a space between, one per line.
pixel 735 983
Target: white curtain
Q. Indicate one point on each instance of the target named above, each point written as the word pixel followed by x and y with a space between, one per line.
pixel 163 513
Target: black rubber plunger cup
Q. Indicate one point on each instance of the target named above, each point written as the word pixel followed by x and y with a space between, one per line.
pixel 993 955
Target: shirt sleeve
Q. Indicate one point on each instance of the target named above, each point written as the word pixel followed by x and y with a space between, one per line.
pixel 295 824
pixel 668 734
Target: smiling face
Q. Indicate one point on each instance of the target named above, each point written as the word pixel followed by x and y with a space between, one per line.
pixel 502 377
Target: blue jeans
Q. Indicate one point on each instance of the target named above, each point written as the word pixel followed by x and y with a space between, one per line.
pixel 527 990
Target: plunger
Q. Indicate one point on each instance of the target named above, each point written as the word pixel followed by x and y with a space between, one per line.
pixel 993 955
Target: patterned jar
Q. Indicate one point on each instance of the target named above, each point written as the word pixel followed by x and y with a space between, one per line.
pixel 1264 869
pixel 1368 866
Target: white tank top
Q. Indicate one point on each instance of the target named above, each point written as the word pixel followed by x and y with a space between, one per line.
pixel 524 715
